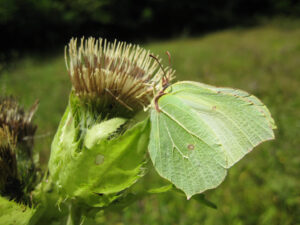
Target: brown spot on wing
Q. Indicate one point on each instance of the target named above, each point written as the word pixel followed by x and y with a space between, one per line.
pixel 191 146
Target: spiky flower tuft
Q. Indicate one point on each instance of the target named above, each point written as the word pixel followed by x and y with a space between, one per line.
pixel 113 73
pixel 10 184
pixel 16 119
pixel 17 169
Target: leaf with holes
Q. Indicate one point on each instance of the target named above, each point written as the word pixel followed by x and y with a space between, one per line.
pixel 199 131
pixel 96 166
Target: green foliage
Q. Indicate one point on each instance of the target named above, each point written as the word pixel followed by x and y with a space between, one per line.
pixel 24 22
pixel 105 162
pixel 12 213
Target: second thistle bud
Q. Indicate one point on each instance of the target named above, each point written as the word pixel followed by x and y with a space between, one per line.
pixel 18 172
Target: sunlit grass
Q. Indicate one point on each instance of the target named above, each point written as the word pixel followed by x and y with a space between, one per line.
pixel 261 189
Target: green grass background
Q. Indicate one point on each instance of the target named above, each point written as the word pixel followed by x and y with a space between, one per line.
pixel 264 188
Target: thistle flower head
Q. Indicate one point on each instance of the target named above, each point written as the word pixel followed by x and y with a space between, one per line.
pixel 113 73
pixel 13 116
pixel 17 169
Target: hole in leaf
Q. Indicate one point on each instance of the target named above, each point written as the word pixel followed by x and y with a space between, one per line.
pixel 99 159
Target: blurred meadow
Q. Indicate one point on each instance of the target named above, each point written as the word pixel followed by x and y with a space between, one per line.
pixel 264 187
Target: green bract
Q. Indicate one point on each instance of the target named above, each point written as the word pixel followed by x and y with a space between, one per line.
pixel 96 163
pixel 12 213
pixel 199 131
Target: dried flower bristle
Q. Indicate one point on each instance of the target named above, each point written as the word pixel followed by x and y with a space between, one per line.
pixel 18 172
pixel 16 119
pixel 8 165
pixel 7 153
pixel 117 71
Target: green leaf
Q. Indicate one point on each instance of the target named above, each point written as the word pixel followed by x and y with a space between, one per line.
pixel 201 131
pixel 160 189
pixel 95 165
pixel 201 199
pixel 12 213
pixel 45 198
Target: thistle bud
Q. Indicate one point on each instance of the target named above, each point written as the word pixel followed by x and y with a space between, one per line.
pixel 118 78
pixel 100 145
pixel 18 172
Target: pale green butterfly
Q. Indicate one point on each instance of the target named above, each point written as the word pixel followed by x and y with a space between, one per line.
pixel 198 131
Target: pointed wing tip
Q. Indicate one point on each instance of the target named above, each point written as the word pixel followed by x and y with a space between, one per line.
pixel 189 195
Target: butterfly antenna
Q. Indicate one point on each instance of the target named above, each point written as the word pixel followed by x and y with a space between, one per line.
pixel 165 78
pixel 169 56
